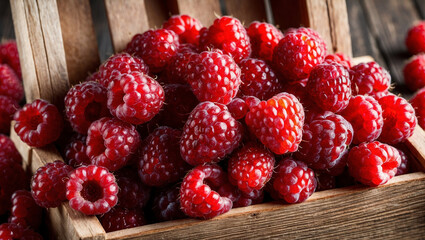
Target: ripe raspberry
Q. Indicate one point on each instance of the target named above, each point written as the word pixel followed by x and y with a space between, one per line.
pixel 136 98
pixel 299 90
pixel 404 167
pixel 418 103
pixel 238 108
pixel 121 218
pixel 214 77
pixel 166 205
pixel 176 70
pixel 198 196
pixel 239 198
pixel 38 123
pixel 133 193
pixel 340 58
pixel 277 122
pixel 228 35
pixel 111 143
pixel 373 163
pixel 9 55
pixel 75 153
pixel 84 104
pixel 92 190
pixel 415 38
pixel 12 178
pixel 10 85
pixel 8 150
pixel 8 107
pixel 94 77
pixel 25 212
pixel 329 86
pixel 10 231
pixel 258 79
pixel 399 119
pixel 186 27
pixel 325 182
pixel 48 185
pixel 365 115
pixel 369 79
pixel 293 181
pixel 155 47
pixel 414 72
pixel 298 52
pixel 264 38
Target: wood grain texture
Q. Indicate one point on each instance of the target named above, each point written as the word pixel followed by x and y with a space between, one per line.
pixel 362 59
pixel 157 12
pixel 318 19
pixel 340 29
pixel 23 149
pixel 416 145
pixel 246 11
pixel 206 12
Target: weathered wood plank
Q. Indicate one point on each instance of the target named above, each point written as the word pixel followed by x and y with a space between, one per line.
pixel 157 12
pixel 420 6
pixel 416 145
pixel 340 29
pixel 246 11
pixel 23 149
pixel 206 12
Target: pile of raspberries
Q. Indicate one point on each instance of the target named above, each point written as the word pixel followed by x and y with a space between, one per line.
pixel 194 121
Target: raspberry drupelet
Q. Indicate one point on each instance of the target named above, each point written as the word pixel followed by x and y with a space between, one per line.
pixel 186 27
pixel 176 70
pixel 415 38
pixel 9 55
pixel 369 79
pixel 404 167
pixel 10 85
pixel 75 153
pixel 25 212
pixel 122 218
pixel 8 150
pixel 10 231
pixel 414 72
pixel 166 205
pixel 238 108
pixel 8 107
pixel 12 178
pixel 418 103
pixel 264 38
pixel 340 58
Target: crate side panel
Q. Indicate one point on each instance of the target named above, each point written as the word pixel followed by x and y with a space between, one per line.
pixel 246 11
pixel 206 12
pixel 158 12
pixel 340 29
pixel 416 145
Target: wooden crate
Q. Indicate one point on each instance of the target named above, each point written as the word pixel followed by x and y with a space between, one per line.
pixel 57 46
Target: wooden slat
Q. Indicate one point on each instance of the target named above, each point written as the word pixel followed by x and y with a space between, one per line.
pixel 246 11
pixel 318 19
pixel 157 12
pixel 206 12
pixel 362 59
pixel 416 145
pixel 23 149
pixel 340 29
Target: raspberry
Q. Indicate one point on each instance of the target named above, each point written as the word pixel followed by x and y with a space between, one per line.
pixel 186 27
pixel 399 119
pixel 10 231
pixel 92 190
pixel 48 185
pixel 329 86
pixel 121 218
pixel 84 104
pixel 299 90
pixel 258 79
pixel 198 196
pixel 166 205
pixel 298 52
pixel 239 198
pixel 10 85
pixel 25 212
pixel 404 167
pixel 415 38
pixel 75 153
pixel 325 182
pixel 340 58
pixel 209 134
pixel 8 107
pixel 214 77
pixel 365 115
pixel 132 192
pixel 238 108
pixel 136 98
pixel 228 35
pixel 176 70
pixel 418 103
pixel 251 168
pixel 264 38
pixel 369 79
pixel 12 178
pixel 8 150
pixel 414 72
pixel 251 101
pixel 277 122
pixel 155 47
pixel 293 181
pixel 111 143
pixel 94 77
pixel 373 163
pixel 9 55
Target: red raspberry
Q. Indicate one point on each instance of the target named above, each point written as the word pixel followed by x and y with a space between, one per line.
pixel 214 77
pixel 399 119
pixel 415 38
pixel 166 205
pixel 299 90
pixel 25 212
pixel 325 182
pixel 84 104
pixel 75 153
pixel 186 27
pixel 8 107
pixel 155 47
pixel 160 162
pixel 418 103
pixel 238 108
pixel 404 167
pixel 365 115
pixel 10 231
pixel 48 185
pixel 293 181
pixel 277 122
pixel 373 163
pixel 94 77
pixel 258 79
pixel 251 101
pixel 228 35
pixel 132 192
pixel 198 196
pixel 176 70
pixel 414 72
pixel 369 79
pixel 329 86
pixel 9 55
pixel 92 190
pixel 121 218
pixel 111 143
pixel 239 198
pixel 264 38
pixel 136 98
pixel 298 52
pixel 10 85
pixel 340 58
pixel 8 150
pixel 12 178
pixel 251 168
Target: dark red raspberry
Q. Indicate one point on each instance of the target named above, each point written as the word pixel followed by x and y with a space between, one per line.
pixel 418 103
pixel 111 143
pixel 415 38
pixel 277 122
pixel 95 77
pixel 373 163
pixel 75 153
pixel 166 205
pixel 329 86
pixel 198 196
pixel 228 35
pixel 369 79
pixel 10 85
pixel 399 119
pixel 365 115
pixel 48 185
pixel 155 47
pixel 136 98
pixel 176 70
pixel 25 212
pixel 258 79
pixel 293 181
pixel 264 37
pixel 8 150
pixel 340 58
pixel 239 198
pixel 209 134
pixel 186 27
pixel 133 193
pixel 325 182
pixel 404 167
pixel 414 72
pixel 38 123
pixel 12 178
pixel 92 190
pixel 9 55
pixel 8 107
pixel 10 231
pixel 238 108
pixel 299 90
pixel 298 52
pixel 84 104
pixel 121 218
pixel 251 101
pixel 214 77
